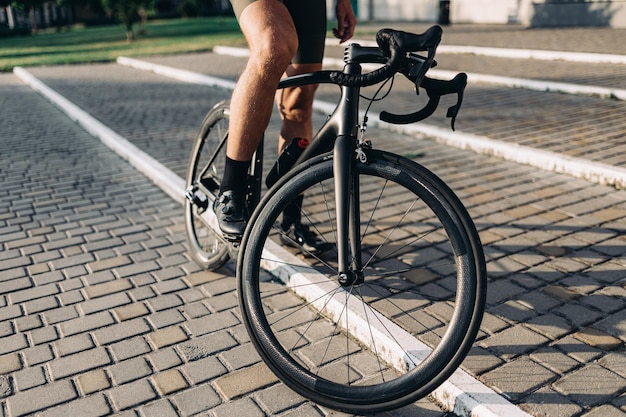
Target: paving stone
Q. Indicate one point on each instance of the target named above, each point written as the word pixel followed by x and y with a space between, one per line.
pixel 6 388
pixel 93 381
pixel 578 350
pixel 550 325
pixel 61 314
pixel 13 343
pixel 10 312
pixel 164 359
pixel 212 323
pixel 33 293
pixel 205 369
pixel 513 311
pixel 169 382
pixel 107 288
pixel 563 293
pixel 37 355
pixel 30 378
pixel 203 277
pixel 191 295
pixel 109 263
pixel 165 302
pixel 121 331
pixel 514 341
pixel 577 314
pixel 244 406
pixel 240 356
pixel 555 360
pixel 604 303
pixel 86 323
pixel 518 378
pixel 162 408
pixel 132 394
pixel 279 398
pixel 197 400
pixel 615 324
pixel 596 338
pixel 79 363
pixel 591 385
pixel 167 337
pixel 28 402
pixel 131 311
pixel 41 304
pixel 74 344
pixel 15 285
pixel 93 406
pixel 129 370
pixel 616 362
pixel 546 402
pixel 605 411
pixel 107 302
pixel 130 348
pixel 10 363
pixel 166 318
pixel 195 310
pixel 201 347
pixel 137 268
pixel 244 381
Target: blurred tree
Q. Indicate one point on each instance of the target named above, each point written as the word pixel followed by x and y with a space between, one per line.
pixel 27 6
pixel 129 12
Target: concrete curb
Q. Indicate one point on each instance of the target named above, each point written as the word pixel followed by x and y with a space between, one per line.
pixel 539 54
pixel 461 393
pixel 577 167
pixel 144 163
pixel 528 84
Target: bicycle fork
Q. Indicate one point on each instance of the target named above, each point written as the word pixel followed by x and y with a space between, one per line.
pixel 348 215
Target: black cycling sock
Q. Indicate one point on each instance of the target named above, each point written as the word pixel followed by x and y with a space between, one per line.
pixel 292 213
pixel 235 175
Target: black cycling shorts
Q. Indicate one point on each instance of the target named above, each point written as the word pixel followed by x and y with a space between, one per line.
pixel 309 17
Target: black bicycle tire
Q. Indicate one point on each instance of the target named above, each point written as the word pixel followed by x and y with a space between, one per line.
pixel 420 381
pixel 216 259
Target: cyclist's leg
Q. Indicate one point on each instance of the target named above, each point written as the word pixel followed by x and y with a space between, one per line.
pixel 295 105
pixel 272 39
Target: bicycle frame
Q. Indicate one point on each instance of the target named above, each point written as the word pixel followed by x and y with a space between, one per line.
pixel 339 133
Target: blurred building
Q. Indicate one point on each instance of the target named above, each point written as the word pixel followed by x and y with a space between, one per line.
pixel 529 13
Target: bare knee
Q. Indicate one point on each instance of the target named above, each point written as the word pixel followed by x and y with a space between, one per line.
pixel 271 35
pixel 296 104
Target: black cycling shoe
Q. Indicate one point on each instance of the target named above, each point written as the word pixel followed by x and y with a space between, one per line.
pixel 232 214
pixel 300 236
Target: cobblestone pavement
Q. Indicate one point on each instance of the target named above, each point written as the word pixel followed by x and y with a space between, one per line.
pixel 102 312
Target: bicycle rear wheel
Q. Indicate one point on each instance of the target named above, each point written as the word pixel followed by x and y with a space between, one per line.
pixel 206 164
pixel 391 339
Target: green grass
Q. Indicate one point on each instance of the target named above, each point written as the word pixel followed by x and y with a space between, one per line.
pixel 106 43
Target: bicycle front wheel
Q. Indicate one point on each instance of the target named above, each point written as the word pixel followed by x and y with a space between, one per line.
pixel 206 166
pixel 389 339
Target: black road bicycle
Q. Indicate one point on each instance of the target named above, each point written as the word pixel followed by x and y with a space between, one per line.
pixel 389 311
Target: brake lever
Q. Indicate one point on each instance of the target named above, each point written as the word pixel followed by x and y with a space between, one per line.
pixel 435 89
pixel 438 88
